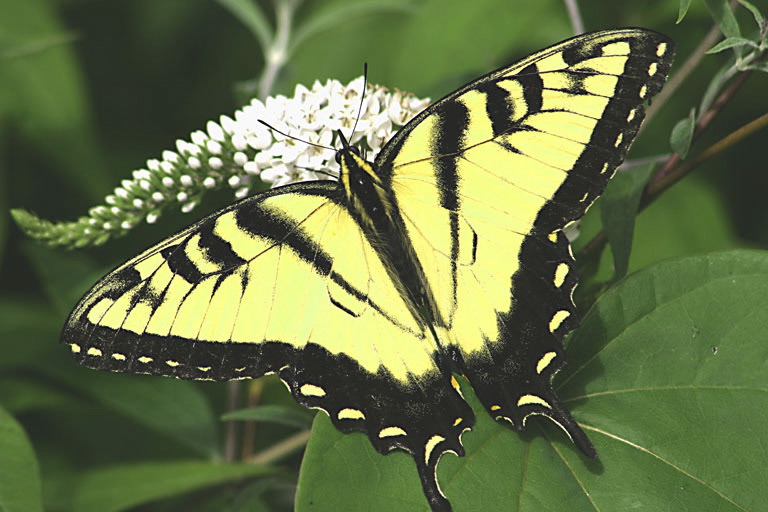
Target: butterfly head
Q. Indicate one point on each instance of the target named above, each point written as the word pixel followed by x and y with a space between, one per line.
pixel 362 186
pixel 355 170
pixel 346 148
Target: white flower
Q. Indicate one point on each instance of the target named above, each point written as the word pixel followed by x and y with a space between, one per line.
pixel 239 151
pixel 277 175
pixel 312 115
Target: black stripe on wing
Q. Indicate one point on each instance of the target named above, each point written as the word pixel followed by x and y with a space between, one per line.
pixel 620 123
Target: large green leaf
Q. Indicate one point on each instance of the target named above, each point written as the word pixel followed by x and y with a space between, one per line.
pixel 290 416
pixel 3 196
pixel 20 489
pixel 422 50
pixel 690 218
pixel 330 15
pixel 667 376
pixel 64 276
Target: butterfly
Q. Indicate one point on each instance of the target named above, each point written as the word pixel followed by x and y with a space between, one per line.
pixel 444 256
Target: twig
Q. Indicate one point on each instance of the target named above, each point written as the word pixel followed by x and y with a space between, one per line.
pixel 671 172
pixel 682 73
pixel 661 179
pixel 281 449
pixel 655 189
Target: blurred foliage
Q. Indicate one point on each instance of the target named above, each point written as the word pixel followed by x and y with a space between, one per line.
pixel 89 90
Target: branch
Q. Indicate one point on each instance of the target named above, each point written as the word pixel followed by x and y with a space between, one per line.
pixel 671 172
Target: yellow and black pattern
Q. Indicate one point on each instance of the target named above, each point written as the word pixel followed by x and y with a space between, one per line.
pixel 285 282
pixel 507 161
pixel 445 256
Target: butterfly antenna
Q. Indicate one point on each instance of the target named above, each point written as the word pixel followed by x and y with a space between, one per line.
pixel 294 138
pixel 319 171
pixel 362 97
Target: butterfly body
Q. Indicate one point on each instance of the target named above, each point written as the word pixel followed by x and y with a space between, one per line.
pixel 444 256
pixel 372 206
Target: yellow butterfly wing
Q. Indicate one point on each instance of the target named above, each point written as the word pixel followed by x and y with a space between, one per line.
pixel 503 165
pixel 284 282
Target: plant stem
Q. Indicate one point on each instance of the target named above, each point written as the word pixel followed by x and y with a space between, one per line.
pixel 682 73
pixel 275 56
pixel 671 172
pixel 230 434
pixel 654 189
pixel 575 16
pixel 281 449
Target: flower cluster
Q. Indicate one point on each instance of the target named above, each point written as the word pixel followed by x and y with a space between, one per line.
pixel 240 152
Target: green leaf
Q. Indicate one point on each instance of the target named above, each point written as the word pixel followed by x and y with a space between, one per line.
pixel 723 15
pixel 355 43
pixel 251 498
pixel 684 5
pixel 126 486
pixel 20 488
pixel 713 87
pixel 273 414
pixel 618 209
pixel 759 18
pixel 682 134
pixel 24 395
pixel 671 365
pixel 250 14
pixel 339 471
pixel 731 42
pixel 689 218
pixel 425 51
pixel 171 407
pixel 666 376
